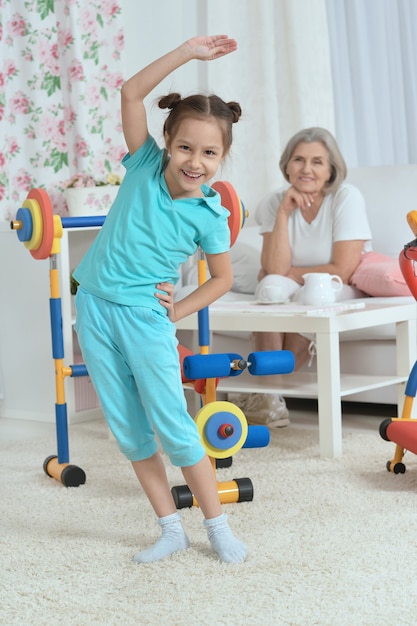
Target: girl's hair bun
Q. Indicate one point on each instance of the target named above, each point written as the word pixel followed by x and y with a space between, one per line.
pixel 170 101
pixel 236 111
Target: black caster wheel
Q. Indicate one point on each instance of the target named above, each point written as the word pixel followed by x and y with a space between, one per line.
pixel 245 487
pixel 73 476
pixel 383 429
pixel 222 463
pixel 183 497
pixel 399 468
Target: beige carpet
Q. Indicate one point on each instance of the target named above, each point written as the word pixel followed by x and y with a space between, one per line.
pixel 330 542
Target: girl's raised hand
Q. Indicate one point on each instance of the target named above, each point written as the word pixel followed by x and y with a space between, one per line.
pixel 207 48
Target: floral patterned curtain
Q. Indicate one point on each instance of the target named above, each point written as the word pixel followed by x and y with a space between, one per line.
pixel 59 96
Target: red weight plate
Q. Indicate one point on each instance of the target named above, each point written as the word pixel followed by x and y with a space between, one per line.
pixel 42 198
pixel 230 201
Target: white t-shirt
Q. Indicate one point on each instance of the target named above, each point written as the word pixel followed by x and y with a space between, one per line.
pixel 341 217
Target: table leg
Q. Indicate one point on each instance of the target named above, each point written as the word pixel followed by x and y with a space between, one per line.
pixel 329 398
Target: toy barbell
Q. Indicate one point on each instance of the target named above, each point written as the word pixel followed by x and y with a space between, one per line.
pixel 40 230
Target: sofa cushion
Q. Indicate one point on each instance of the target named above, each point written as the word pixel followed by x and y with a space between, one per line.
pixel 246 260
pixel 390 192
pixel 379 275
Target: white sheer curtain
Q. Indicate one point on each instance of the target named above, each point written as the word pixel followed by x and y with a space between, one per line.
pixel 281 75
pixel 374 68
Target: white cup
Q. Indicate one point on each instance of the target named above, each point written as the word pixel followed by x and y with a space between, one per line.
pixel 320 288
pixel 270 293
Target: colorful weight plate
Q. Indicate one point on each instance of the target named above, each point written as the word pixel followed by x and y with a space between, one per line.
pixel 24 216
pixel 37 227
pixel 45 248
pixel 208 415
pixel 230 201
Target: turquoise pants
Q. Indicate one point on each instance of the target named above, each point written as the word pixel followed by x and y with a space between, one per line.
pixel 132 359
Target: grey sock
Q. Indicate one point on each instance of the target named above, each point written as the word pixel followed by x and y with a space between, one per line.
pixel 173 539
pixel 224 543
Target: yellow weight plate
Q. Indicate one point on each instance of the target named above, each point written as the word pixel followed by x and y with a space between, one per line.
pixel 207 412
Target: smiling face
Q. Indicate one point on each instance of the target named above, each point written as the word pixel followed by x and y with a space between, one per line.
pixel 196 152
pixel 308 169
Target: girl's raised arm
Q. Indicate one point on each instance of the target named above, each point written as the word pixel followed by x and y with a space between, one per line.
pixel 134 91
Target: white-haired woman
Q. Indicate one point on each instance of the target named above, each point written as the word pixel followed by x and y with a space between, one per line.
pixel 317 224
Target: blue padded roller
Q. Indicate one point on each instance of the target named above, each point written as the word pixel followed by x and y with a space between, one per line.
pixel 206 366
pixel 272 362
pixel 258 437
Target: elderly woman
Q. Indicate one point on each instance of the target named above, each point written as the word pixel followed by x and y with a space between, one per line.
pixel 317 224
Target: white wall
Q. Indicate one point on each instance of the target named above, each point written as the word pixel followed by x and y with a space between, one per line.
pixel 152 29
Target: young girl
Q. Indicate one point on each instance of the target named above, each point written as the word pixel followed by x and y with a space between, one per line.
pixel 125 308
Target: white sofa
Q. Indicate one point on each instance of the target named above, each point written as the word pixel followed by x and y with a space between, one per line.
pixel 390 193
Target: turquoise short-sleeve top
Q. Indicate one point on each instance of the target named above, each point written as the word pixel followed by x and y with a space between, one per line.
pixel 147 235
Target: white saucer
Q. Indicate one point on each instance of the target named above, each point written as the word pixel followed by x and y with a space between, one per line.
pixel 271 301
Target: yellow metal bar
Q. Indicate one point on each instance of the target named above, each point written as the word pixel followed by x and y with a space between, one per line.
pixel 202 271
pixel 55 469
pixel 398 457
pixel 408 405
pixel 228 491
pixel 58 231
pixel 210 395
pixel 54 283
pixel 60 374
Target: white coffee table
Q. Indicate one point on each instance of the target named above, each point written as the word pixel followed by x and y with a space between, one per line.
pixel 329 385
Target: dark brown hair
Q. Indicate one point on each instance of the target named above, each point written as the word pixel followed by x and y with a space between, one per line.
pixel 200 107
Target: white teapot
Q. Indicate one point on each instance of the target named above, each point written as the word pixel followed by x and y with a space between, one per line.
pixel 321 288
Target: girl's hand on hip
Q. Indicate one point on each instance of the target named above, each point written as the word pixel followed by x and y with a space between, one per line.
pixel 166 299
pixel 207 48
